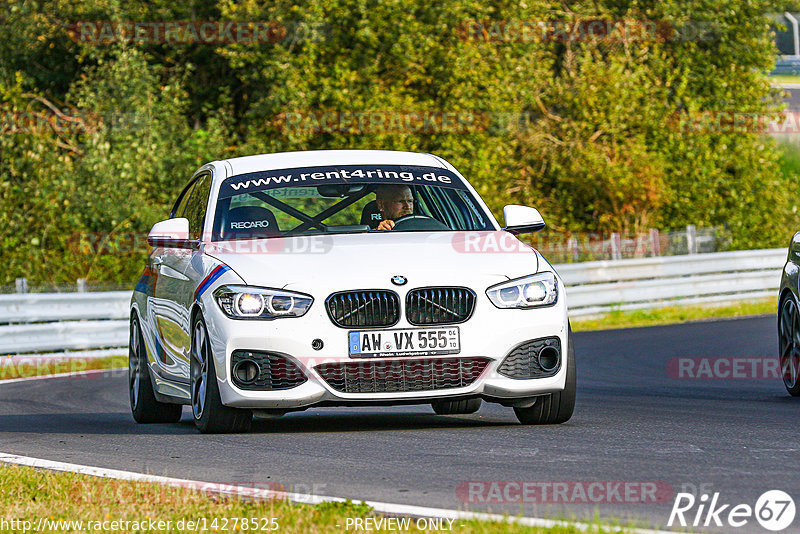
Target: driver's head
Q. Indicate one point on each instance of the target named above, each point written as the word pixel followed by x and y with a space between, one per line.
pixel 394 201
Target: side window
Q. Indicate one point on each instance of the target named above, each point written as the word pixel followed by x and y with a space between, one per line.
pixel 180 205
pixel 196 207
pixel 430 198
pixel 471 211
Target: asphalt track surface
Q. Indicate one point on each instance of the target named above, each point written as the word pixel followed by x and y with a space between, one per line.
pixel 633 422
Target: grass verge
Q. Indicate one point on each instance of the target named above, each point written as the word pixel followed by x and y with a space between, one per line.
pixel 674 315
pixel 33 366
pixel 35 495
pixel 784 78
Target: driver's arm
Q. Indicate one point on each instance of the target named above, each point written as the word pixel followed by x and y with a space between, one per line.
pixel 386 224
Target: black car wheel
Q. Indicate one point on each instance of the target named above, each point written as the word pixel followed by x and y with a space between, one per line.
pixel 144 406
pixel 789 345
pixel 456 407
pixel 210 415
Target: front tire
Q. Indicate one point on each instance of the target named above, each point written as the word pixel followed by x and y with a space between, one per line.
pixel 456 407
pixel 210 415
pixel 789 345
pixel 144 406
pixel 554 408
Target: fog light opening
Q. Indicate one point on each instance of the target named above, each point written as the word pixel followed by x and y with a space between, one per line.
pixel 246 371
pixel 548 358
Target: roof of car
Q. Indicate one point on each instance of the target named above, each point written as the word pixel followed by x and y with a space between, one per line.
pixel 312 158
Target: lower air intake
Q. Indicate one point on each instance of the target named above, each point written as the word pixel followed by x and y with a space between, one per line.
pixel 264 371
pixel 393 376
pixel 538 358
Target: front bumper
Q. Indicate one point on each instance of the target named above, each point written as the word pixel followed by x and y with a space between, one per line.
pixel 490 333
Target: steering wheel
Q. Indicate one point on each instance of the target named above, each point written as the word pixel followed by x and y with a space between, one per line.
pixel 410 217
pixel 418 222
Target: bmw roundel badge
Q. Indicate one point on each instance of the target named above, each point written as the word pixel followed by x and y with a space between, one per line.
pixel 399 280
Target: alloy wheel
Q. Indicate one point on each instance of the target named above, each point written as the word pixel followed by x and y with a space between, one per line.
pixel 134 364
pixel 789 338
pixel 199 369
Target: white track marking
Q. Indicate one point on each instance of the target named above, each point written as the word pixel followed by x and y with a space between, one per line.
pixel 216 488
pixel 263 493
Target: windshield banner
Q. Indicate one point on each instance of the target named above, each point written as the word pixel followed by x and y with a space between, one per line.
pixel 338 175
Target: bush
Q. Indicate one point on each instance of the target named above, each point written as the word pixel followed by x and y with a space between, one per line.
pixel 584 129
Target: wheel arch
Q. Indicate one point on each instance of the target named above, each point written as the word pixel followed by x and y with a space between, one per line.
pixel 135 313
pixel 785 293
pixel 193 313
pixel 219 363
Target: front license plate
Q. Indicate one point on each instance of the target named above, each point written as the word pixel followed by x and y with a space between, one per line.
pixel 405 342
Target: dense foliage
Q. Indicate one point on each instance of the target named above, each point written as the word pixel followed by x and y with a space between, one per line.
pixel 597 130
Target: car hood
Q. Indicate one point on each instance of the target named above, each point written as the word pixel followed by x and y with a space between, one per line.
pixel 325 263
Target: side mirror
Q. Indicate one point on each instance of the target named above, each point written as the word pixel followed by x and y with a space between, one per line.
pixel 522 219
pixel 172 233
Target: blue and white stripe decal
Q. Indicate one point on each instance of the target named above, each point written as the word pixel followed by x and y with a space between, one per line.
pixel 218 271
pixel 147 282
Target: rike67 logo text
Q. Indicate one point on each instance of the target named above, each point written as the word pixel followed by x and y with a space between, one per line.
pixel 774 510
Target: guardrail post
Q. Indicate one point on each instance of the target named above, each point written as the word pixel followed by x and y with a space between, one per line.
pixel 691 239
pixel 616 247
pixel 81 285
pixel 655 242
pixel 572 245
pixel 22 285
pixel 795 32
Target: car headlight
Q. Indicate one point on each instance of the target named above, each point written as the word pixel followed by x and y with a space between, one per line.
pixel 529 292
pixel 243 302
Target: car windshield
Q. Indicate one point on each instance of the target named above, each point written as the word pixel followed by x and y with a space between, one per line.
pixel 345 199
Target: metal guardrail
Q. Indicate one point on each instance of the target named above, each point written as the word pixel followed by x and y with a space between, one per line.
pixel 42 307
pixel 39 322
pixel 602 286
pixel 66 335
pixel 59 322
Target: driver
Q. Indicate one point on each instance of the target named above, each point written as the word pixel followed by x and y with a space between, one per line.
pixel 394 201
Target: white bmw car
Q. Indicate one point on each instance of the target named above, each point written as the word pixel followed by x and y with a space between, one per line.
pixel 287 281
